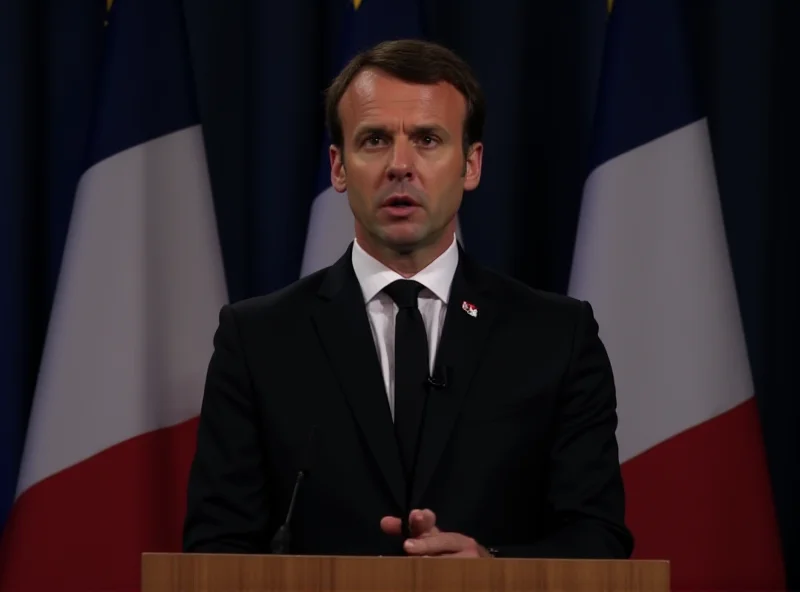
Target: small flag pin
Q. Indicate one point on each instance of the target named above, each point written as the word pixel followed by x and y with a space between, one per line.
pixel 470 309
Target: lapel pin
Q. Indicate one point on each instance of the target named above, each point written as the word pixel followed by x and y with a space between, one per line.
pixel 469 308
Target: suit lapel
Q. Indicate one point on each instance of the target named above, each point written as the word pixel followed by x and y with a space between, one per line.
pixel 463 338
pixel 343 327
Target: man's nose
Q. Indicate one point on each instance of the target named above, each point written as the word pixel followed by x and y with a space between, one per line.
pixel 401 164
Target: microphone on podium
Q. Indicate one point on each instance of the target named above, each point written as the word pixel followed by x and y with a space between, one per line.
pixel 281 542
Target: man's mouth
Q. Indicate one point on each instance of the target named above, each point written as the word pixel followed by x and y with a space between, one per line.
pixel 400 205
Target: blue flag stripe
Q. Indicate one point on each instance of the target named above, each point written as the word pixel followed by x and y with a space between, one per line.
pixel 647 86
pixel 147 87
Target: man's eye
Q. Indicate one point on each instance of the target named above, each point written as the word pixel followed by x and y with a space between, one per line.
pixel 373 140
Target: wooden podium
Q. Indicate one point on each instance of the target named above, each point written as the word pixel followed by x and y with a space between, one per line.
pixel 164 572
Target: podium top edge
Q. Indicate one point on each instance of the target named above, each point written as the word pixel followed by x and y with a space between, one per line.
pixel 255 556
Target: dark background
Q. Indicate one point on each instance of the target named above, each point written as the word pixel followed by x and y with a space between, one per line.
pixel 260 69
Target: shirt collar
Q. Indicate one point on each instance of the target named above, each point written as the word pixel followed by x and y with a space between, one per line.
pixel 374 276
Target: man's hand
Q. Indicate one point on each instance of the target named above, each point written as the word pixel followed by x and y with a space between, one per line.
pixel 427 539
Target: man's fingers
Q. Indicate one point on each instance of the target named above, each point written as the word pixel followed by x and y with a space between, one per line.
pixel 392 525
pixel 442 543
pixel 422 523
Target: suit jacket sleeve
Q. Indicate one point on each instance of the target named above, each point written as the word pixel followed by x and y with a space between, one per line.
pixel 226 501
pixel 586 499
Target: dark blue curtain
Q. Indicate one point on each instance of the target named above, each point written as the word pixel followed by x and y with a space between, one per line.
pixel 49 52
pixel 748 55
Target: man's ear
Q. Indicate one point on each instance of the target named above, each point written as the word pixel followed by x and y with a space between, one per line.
pixel 472 166
pixel 338 174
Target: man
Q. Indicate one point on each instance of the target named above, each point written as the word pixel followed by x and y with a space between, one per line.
pixel 436 407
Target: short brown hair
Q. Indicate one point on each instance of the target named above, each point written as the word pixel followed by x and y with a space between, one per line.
pixel 417 62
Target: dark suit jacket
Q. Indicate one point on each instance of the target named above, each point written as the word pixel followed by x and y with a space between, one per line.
pixel 518 451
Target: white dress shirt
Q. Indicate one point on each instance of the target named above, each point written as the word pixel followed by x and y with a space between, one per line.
pixel 374 276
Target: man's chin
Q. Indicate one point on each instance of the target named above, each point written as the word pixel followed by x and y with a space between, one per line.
pixel 407 244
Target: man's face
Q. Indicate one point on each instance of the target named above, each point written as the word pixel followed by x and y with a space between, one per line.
pixel 403 165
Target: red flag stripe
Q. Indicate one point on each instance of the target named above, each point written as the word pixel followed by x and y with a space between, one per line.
pixel 702 500
pixel 84 528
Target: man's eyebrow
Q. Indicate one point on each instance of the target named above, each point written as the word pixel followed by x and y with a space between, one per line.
pixel 430 129
pixel 371 129
pixel 426 128
pixel 415 129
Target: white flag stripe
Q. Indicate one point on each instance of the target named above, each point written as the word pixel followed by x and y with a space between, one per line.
pixel 330 231
pixel 652 259
pixel 139 292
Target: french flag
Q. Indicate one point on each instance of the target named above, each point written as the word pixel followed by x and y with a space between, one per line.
pixel 112 429
pixel 651 256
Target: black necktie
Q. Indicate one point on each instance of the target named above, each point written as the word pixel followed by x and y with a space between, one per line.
pixel 410 368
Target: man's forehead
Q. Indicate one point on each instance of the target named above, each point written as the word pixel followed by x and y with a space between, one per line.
pixel 372 91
